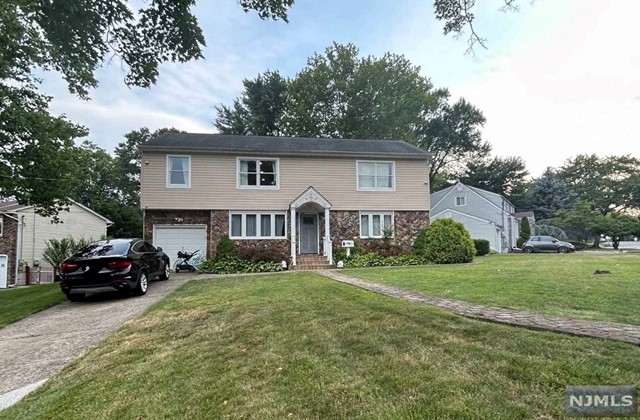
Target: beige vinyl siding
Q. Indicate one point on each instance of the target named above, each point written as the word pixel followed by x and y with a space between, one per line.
pixel 213 184
pixel 77 222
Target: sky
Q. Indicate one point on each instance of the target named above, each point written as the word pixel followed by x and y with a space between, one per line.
pixel 559 78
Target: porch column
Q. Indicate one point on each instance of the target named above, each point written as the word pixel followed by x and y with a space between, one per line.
pixel 293 236
pixel 328 248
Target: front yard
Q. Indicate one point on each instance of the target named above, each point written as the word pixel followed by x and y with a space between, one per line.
pixel 562 285
pixel 302 346
pixel 19 303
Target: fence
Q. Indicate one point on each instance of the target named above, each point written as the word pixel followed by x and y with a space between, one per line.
pixel 41 275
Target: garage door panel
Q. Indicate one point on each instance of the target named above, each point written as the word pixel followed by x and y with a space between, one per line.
pixel 181 238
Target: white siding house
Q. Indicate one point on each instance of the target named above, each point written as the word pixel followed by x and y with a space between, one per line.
pixel 485 215
pixel 78 222
pixel 24 243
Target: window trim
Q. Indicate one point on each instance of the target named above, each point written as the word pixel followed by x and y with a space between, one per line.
pixel 259 214
pixel 456 200
pixel 1 225
pixel 371 214
pixel 168 172
pixel 375 188
pixel 257 187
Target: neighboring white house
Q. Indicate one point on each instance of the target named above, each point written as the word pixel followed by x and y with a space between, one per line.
pixel 486 215
pixel 23 236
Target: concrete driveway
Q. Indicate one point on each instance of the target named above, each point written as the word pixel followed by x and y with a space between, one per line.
pixel 33 349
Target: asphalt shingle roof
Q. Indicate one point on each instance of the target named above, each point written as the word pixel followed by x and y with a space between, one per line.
pixel 10 206
pixel 286 146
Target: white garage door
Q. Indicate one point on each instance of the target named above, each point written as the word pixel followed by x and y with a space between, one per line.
pixel 181 238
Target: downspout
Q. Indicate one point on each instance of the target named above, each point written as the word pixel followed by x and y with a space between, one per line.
pixel 19 248
pixel 33 240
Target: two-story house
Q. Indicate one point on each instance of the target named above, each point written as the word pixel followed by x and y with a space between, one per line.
pixel 300 196
pixel 486 215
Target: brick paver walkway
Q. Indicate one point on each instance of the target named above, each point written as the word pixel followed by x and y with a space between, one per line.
pixel 596 329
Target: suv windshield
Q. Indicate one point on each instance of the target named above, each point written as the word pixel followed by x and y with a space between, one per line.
pixel 104 248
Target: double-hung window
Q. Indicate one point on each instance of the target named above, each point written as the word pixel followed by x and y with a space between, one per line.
pixel 257 173
pixel 461 201
pixel 178 171
pixel 376 176
pixel 258 225
pixel 376 225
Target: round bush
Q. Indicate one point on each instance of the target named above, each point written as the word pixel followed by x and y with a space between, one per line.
pixel 483 247
pixel 448 242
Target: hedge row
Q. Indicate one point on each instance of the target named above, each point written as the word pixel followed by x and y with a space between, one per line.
pixel 233 265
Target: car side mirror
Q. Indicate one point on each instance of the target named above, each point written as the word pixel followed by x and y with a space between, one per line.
pixel 555 241
pixel 159 249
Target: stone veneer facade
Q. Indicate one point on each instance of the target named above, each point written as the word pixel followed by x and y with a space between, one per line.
pixel 9 246
pixel 344 225
pixel 407 225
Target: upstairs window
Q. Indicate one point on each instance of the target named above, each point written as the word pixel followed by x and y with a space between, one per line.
pixel 258 173
pixel 461 201
pixel 178 171
pixel 376 176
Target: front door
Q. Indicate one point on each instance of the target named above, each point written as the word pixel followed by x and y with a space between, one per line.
pixel 308 233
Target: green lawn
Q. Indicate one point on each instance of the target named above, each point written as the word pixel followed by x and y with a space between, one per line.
pixel 16 304
pixel 302 346
pixel 552 284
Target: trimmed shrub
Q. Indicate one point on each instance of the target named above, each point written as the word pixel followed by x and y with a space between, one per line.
pixel 372 259
pixel 235 265
pixel 273 255
pixel 525 232
pixel 225 248
pixel 448 242
pixel 482 246
pixel 339 254
pixel 420 243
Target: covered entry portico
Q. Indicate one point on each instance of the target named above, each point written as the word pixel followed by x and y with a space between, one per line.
pixel 306 210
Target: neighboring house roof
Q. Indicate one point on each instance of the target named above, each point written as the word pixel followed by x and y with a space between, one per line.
pixel 523 214
pixel 491 195
pixel 285 146
pixel 461 213
pixel 10 206
pixel 13 207
pixel 488 196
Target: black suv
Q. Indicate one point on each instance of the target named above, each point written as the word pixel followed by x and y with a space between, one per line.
pixel 124 265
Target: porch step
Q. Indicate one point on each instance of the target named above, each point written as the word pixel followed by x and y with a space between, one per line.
pixel 312 262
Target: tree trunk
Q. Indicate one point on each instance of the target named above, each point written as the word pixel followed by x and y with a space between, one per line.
pixel 616 243
pixel 596 242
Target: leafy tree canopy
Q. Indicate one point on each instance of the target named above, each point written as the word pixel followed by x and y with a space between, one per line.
pixel 550 195
pixel 339 94
pixel 610 183
pixel 505 176
pixel 75 38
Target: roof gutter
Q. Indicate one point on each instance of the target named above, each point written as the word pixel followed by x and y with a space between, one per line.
pixel 421 156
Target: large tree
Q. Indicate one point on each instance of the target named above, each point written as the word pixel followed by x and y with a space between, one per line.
pixel 550 195
pixel 340 94
pixel 75 38
pixel 452 135
pixel 609 183
pixel 259 110
pixel 506 176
